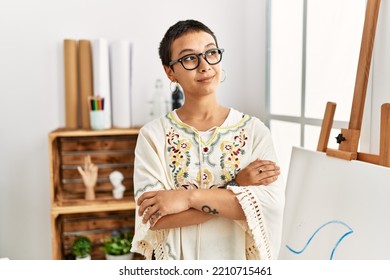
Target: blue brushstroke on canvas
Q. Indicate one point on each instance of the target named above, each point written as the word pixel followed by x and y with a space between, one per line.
pixel 314 234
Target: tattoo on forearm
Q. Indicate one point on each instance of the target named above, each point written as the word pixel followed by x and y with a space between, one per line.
pixel 208 210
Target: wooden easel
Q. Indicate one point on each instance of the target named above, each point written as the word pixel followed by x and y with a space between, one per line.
pixel 348 139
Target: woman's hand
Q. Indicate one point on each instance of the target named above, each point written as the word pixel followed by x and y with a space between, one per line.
pixel 156 204
pixel 258 172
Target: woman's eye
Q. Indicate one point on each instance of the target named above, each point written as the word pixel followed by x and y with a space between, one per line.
pixel 212 52
pixel 190 57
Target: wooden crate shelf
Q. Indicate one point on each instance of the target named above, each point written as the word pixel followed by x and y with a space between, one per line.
pixel 110 150
pixel 94 225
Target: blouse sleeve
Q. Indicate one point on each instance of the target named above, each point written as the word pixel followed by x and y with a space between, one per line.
pixel 149 175
pixel 263 205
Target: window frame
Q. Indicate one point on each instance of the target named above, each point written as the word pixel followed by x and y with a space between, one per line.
pixel 301 120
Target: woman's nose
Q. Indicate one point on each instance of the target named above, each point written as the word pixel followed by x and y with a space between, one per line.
pixel 203 64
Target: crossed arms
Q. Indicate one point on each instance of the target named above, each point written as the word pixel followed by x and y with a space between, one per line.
pixel 178 208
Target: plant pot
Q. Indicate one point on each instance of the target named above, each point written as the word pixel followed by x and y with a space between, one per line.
pixel 128 256
pixel 87 257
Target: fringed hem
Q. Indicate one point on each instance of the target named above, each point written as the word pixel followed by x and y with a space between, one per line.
pixel 251 252
pixel 254 217
pixel 156 246
pixel 143 248
pixel 145 241
pixel 159 251
pixel 140 244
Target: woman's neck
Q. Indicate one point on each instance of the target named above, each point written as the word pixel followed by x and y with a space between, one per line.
pixel 203 117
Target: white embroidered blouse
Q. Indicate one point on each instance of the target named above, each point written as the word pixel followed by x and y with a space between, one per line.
pixel 170 155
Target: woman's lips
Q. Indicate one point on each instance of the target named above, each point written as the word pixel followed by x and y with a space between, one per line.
pixel 206 79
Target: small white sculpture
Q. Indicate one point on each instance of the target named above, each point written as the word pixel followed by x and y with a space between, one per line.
pixel 116 179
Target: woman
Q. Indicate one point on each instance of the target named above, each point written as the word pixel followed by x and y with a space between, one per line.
pixel 195 199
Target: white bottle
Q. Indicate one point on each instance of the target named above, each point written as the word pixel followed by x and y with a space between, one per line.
pixel 160 103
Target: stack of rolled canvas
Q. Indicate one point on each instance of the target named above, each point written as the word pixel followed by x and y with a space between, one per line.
pixel 97 68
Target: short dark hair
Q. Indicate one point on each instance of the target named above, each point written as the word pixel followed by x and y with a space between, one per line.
pixel 175 31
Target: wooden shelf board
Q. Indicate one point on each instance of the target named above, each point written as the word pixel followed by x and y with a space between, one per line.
pixel 112 206
pixel 65 132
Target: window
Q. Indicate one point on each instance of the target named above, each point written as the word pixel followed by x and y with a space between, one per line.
pixel 313 52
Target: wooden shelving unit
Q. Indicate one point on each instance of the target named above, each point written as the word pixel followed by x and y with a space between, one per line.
pixel 71 214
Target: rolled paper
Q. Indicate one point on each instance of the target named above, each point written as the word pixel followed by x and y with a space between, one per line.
pixel 85 80
pixel 120 66
pixel 101 76
pixel 71 83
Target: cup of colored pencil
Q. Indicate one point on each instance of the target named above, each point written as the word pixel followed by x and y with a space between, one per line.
pixel 96 110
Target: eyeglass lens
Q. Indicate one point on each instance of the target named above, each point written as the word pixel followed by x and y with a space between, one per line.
pixel 192 61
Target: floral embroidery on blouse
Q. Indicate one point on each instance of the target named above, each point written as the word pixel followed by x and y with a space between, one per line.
pixel 231 154
pixel 179 156
pixel 206 177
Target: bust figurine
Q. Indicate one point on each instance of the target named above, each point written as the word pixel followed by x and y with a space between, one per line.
pixel 116 179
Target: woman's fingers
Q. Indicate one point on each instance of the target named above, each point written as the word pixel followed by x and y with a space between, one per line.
pixel 148 208
pixel 267 172
pixel 149 212
pixel 152 214
pixel 144 201
pixel 258 172
pixel 268 177
pixel 265 165
pixel 145 195
pixel 154 218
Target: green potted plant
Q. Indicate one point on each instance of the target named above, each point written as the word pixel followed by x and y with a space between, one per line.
pixel 81 248
pixel 118 245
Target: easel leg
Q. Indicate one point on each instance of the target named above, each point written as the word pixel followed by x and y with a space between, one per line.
pixel 363 71
pixel 326 127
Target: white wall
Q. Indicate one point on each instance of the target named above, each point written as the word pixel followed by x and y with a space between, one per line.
pixel 32 86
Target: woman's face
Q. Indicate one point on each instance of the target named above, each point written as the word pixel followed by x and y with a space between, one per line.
pixel 202 80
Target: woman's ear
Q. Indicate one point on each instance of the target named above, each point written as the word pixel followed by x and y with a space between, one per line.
pixel 170 73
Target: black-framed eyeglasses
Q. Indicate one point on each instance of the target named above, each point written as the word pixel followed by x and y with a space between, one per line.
pixel 192 61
